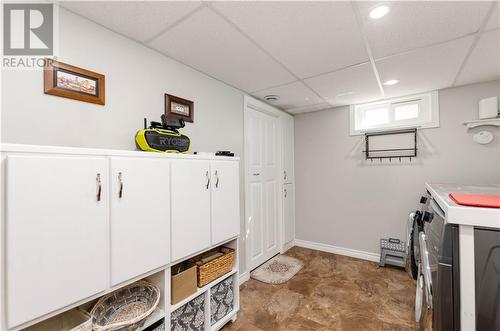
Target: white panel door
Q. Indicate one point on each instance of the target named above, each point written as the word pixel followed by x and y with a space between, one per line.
pixel 225 200
pixel 56 233
pixel 262 186
pixel 190 207
pixel 288 148
pixel 288 213
pixel 140 216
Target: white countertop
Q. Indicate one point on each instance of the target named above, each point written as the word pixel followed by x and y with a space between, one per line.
pixel 21 148
pixel 458 214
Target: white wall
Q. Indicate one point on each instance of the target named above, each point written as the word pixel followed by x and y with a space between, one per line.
pixel 136 80
pixel 342 200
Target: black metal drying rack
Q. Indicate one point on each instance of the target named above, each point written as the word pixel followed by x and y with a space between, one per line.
pixel 390 153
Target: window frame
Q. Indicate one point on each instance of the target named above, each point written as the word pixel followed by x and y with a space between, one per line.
pixel 428 113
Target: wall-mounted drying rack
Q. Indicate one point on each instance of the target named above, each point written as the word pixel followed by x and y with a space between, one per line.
pixel 405 145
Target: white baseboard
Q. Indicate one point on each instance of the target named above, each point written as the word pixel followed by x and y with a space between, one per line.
pixel 338 250
pixel 244 277
pixel 287 246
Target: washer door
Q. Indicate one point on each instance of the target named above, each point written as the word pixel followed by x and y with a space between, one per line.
pixel 413 255
pixel 423 313
pixel 426 268
pixel 419 296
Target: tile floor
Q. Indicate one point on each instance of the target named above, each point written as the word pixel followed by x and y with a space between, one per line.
pixel 331 292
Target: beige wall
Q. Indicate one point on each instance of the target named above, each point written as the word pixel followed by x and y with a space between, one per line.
pixel 136 80
pixel 342 200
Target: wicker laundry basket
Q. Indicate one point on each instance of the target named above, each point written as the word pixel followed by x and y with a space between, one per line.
pixel 215 268
pixel 127 308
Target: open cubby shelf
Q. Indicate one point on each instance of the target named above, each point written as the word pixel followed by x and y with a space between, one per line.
pixel 162 279
pixel 206 293
pixel 157 315
pixel 203 289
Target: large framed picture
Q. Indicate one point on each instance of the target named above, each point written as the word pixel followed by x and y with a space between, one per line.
pixel 179 108
pixel 72 82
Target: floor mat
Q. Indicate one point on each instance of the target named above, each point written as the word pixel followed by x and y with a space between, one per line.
pixel 277 270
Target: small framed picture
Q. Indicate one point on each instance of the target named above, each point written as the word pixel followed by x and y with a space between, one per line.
pixel 72 82
pixel 179 108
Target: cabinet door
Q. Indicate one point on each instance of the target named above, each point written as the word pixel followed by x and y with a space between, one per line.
pixel 288 212
pixel 190 207
pixel 56 233
pixel 288 147
pixel 140 216
pixel 225 200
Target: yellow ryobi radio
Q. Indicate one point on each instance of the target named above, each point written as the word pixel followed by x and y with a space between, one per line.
pixel 163 137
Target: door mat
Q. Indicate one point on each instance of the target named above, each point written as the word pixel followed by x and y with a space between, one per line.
pixel 277 270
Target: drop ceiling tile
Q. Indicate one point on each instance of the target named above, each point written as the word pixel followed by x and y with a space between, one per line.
pixel 208 43
pixel 309 38
pixel 292 95
pixel 139 20
pixel 494 21
pixel 347 86
pixel 424 69
pixel 484 61
pixel 310 108
pixel 410 25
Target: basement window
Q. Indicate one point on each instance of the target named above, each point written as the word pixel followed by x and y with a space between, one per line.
pixel 415 111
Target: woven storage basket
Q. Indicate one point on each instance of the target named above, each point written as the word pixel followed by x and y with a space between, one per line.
pixel 212 270
pixel 127 308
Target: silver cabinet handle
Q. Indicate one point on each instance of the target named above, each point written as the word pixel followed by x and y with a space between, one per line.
pixel 120 180
pixel 284 175
pixel 216 179
pixel 208 179
pixel 286 193
pixel 256 174
pixel 99 187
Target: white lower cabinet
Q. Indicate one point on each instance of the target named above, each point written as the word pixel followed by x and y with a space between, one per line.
pixel 225 200
pixel 56 233
pixel 79 224
pixel 190 207
pixel 140 216
pixel 288 213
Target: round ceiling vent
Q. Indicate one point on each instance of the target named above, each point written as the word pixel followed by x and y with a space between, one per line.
pixel 271 98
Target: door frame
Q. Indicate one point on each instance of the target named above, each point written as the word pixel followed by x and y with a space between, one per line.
pixel 252 104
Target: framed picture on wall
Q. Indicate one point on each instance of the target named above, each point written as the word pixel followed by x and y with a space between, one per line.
pixel 179 108
pixel 72 82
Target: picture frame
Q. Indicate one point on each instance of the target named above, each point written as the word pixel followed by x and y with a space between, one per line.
pixel 67 81
pixel 176 107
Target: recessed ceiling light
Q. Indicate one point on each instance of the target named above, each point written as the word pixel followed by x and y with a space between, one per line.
pixel 271 98
pixel 343 94
pixel 391 82
pixel 379 12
